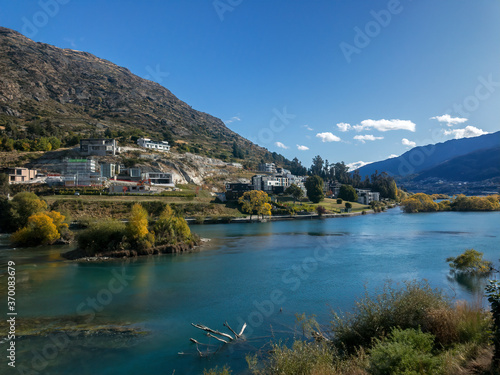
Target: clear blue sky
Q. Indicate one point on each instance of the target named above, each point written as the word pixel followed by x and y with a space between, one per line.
pixel 285 72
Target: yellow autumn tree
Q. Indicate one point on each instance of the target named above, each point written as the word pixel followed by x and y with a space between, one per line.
pixel 171 229
pixel 255 202
pixel 419 202
pixel 58 220
pixel 40 230
pixel 137 228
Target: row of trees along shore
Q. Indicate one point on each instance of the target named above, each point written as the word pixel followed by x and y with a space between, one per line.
pixel 421 202
pixel 31 223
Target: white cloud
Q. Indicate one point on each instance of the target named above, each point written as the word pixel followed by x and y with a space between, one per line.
pixel 356 165
pixel 328 137
pixel 450 121
pixel 391 156
pixel 302 148
pixel 367 137
pixel 343 127
pixel 468 132
pixel 232 119
pixel 408 143
pixel 281 145
pixel 385 125
pixel 308 127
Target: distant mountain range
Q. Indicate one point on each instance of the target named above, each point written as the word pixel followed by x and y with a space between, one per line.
pixel 82 93
pixel 466 159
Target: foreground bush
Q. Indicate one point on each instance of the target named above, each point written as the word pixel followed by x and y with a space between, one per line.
pixel 404 352
pixel 409 330
pixel 374 317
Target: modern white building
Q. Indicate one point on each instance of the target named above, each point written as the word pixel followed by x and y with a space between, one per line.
pixel 158 178
pixel 154 145
pixel 99 146
pixel 267 167
pixel 73 166
pixel 83 179
pixel 109 170
pixel 270 183
pixel 367 196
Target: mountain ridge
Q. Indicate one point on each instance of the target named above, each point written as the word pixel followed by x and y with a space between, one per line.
pixel 422 158
pixel 78 91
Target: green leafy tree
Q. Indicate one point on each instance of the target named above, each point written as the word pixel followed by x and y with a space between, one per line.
pixel 470 262
pixel 317 166
pixel 348 205
pixel 295 191
pixel 493 294
pixel 4 184
pixel 314 187
pixel 348 193
pixel 22 206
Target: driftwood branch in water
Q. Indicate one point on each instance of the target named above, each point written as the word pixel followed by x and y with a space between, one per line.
pixel 226 324
pixel 210 330
pixel 242 329
pixel 217 338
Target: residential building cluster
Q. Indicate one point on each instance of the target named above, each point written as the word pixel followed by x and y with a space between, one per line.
pixel 277 180
pixel 86 170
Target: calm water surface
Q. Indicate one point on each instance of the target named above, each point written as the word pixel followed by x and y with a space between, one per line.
pixel 247 274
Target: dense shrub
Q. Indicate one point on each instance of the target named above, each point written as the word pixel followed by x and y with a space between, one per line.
pixel 171 229
pixel 404 352
pixel 302 358
pixel 107 235
pixel 375 316
pixel 321 210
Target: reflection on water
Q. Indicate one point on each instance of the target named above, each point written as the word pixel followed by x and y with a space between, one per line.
pixel 474 284
pixel 247 273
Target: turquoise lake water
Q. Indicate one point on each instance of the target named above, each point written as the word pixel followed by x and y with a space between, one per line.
pixel 247 273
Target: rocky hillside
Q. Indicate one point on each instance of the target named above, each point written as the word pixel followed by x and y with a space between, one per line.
pixel 79 92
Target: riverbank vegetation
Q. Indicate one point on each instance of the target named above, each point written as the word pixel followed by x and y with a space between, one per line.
pixel 139 236
pixel 32 222
pixel 421 202
pixel 409 329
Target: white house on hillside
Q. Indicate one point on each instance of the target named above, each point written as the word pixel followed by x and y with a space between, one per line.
pixel 154 145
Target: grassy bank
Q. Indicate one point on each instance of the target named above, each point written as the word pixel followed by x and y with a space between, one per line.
pixel 101 207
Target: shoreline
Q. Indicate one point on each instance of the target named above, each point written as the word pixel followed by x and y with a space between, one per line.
pixel 236 220
pixel 80 255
